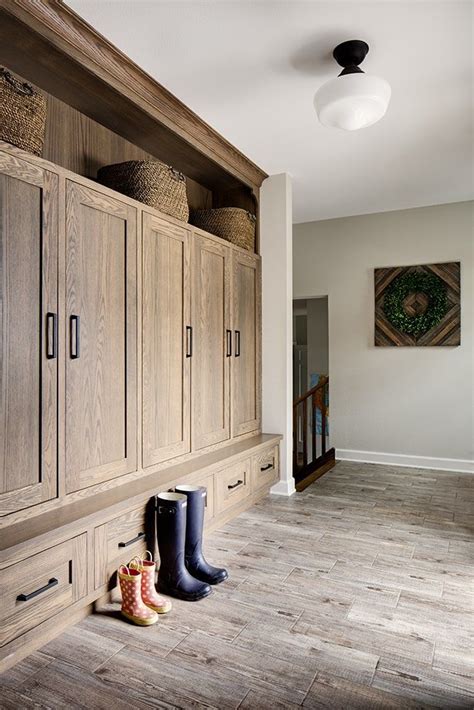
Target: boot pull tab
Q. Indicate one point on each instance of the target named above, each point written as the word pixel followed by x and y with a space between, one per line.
pixel 135 563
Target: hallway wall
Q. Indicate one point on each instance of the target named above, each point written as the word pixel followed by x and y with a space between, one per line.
pixel 410 406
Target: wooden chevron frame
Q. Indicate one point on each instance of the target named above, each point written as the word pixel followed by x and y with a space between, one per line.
pixel 446 332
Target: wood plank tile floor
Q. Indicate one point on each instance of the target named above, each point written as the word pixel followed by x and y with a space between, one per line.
pixel 356 593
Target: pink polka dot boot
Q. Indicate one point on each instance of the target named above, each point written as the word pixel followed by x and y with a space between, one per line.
pixel 133 607
pixel 150 596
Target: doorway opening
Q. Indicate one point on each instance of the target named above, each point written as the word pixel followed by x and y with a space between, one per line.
pixel 312 454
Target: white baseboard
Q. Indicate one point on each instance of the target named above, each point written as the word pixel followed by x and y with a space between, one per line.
pixel 284 487
pixel 428 462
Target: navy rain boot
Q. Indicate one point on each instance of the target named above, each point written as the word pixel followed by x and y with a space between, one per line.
pixel 195 562
pixel 173 577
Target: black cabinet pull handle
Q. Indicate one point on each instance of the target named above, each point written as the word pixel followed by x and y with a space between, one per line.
pixel 237 343
pixel 189 341
pixel 234 485
pixel 75 337
pixel 51 335
pixel 265 468
pixel 53 582
pixel 228 334
pixel 140 536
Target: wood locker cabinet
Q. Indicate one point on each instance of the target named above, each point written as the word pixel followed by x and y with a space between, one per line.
pixel 28 327
pixel 246 360
pixel 167 340
pixel 101 371
pixel 212 349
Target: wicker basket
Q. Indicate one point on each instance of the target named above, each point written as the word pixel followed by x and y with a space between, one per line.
pixel 231 223
pixel 22 113
pixel 149 181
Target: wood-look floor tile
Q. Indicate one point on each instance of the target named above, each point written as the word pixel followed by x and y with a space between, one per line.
pixel 250 667
pixel 312 651
pixel 387 577
pixel 329 692
pixel 420 682
pixel 82 647
pixel 110 624
pixel 266 699
pixel 18 674
pixel 65 685
pixel 356 593
pixel 175 681
pixel 366 637
pixel 325 589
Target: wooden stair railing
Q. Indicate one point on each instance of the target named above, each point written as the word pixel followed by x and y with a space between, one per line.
pixel 311 457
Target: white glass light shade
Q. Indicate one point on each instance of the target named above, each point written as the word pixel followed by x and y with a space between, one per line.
pixel 352 101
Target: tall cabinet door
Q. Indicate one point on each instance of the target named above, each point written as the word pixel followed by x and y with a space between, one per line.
pixel 246 360
pixel 101 369
pixel 212 343
pixel 28 327
pixel 167 341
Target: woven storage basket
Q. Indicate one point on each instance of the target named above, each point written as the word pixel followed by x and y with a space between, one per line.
pixel 231 223
pixel 22 114
pixel 149 181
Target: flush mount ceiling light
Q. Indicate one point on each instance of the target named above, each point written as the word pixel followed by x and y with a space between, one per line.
pixel 352 100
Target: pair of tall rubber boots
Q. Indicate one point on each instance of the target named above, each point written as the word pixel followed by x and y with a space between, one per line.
pixel 183 571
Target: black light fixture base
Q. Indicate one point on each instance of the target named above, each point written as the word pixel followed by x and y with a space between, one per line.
pixel 350 54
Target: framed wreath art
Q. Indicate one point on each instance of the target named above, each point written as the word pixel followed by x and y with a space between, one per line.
pixel 418 305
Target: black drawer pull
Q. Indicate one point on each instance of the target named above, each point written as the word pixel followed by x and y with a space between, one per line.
pixel 140 536
pixel 237 343
pixel 26 597
pixel 228 338
pixel 75 337
pixel 189 341
pixel 234 485
pixel 51 335
pixel 265 468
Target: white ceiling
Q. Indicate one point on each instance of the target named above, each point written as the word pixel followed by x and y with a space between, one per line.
pixel 250 68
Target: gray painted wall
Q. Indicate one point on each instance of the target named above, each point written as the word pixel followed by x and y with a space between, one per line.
pixel 411 401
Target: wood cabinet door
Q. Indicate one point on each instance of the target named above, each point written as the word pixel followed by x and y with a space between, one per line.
pixel 28 327
pixel 212 343
pixel 167 341
pixel 101 377
pixel 246 359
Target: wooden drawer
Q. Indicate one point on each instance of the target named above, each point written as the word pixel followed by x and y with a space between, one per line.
pixel 117 541
pixel 232 485
pixel 265 468
pixel 41 586
pixel 208 483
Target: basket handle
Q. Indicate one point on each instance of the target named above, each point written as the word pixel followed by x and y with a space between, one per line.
pixel 21 87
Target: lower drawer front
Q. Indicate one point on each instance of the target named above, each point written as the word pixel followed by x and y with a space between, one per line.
pixel 265 468
pixel 41 586
pixel 232 485
pixel 208 483
pixel 117 541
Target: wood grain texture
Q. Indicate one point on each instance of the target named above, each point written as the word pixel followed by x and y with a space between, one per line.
pixel 101 383
pixel 232 485
pixel 211 359
pixel 16 539
pixel 287 629
pixel 66 563
pixel 53 47
pixel 28 292
pixel 82 145
pixel 265 467
pixel 166 342
pixel 246 360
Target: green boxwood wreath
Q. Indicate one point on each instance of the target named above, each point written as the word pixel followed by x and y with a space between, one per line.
pixel 415 282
